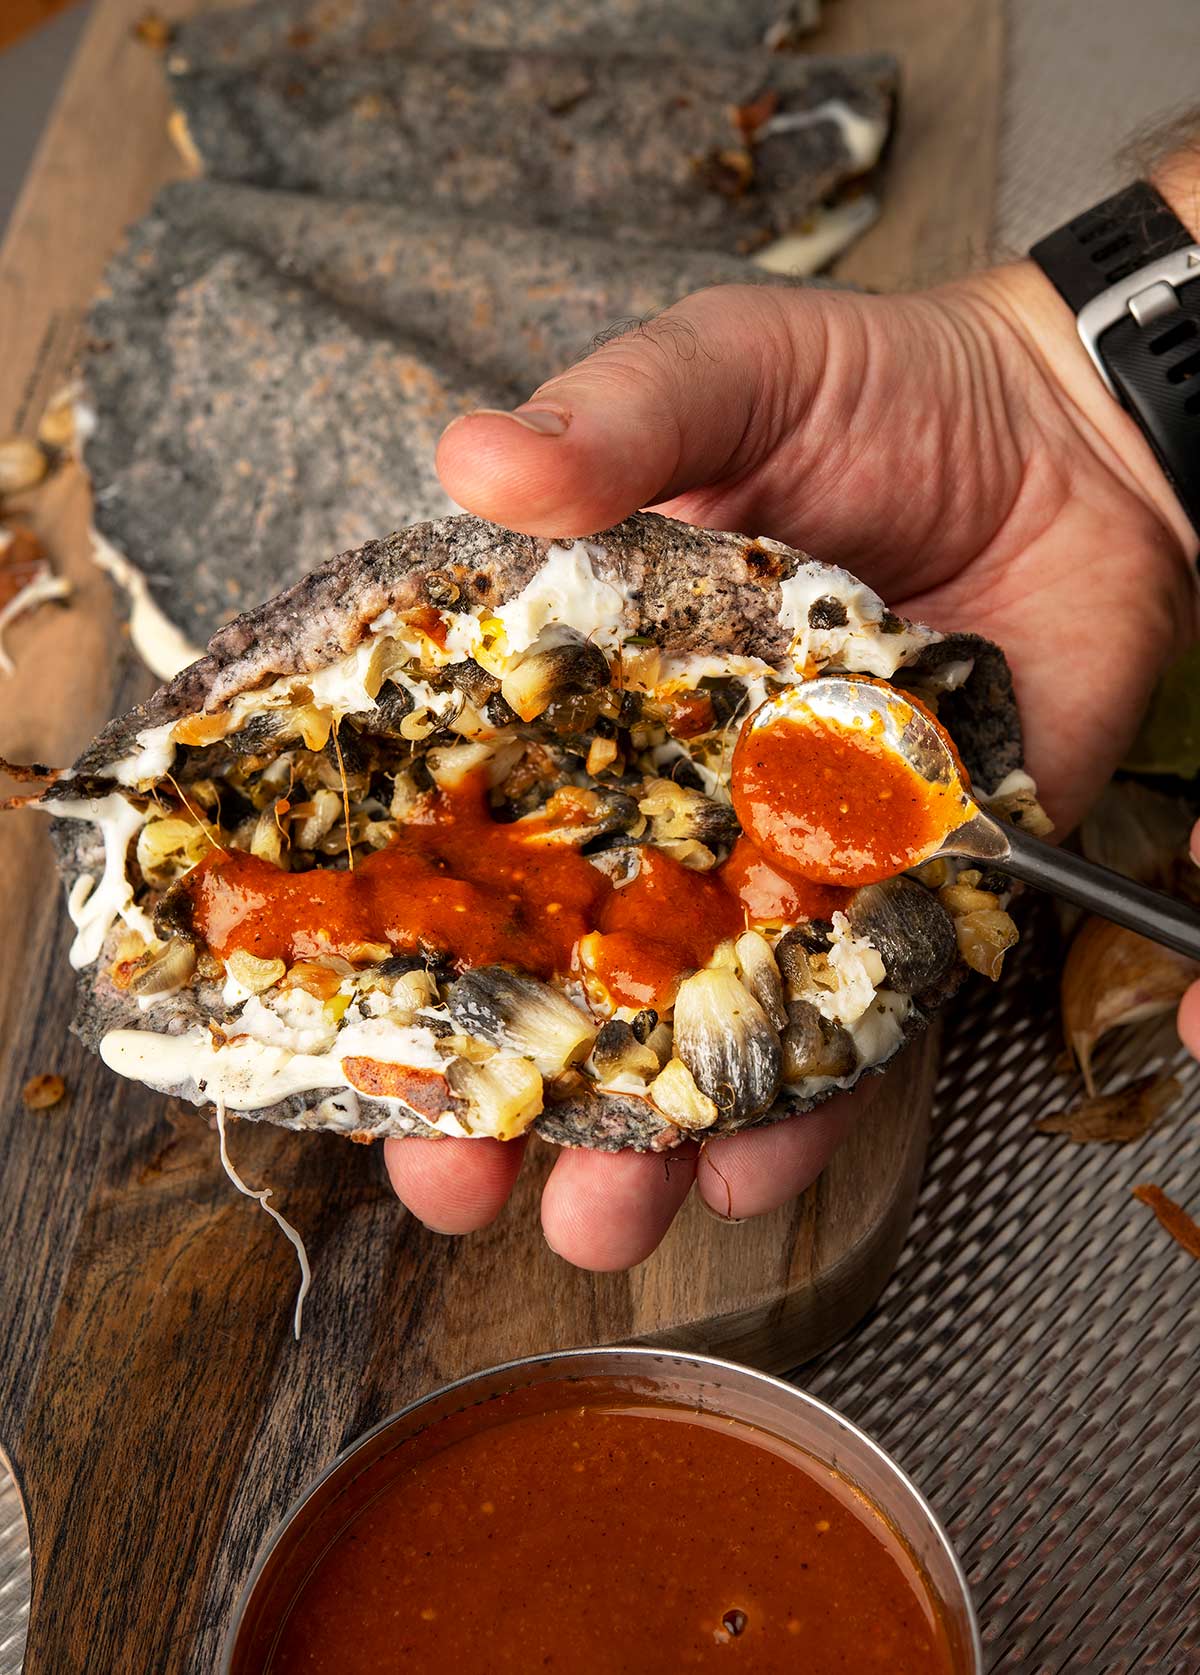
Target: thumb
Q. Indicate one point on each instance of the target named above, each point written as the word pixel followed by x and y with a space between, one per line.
pixel 699 393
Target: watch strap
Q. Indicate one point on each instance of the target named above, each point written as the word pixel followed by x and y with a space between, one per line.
pixel 1108 243
pixel 1130 270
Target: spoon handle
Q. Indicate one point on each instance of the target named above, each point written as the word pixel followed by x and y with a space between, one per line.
pixel 1102 891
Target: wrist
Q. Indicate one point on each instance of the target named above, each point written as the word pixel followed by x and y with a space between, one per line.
pixel 1175 175
pixel 1025 304
pixel 1035 306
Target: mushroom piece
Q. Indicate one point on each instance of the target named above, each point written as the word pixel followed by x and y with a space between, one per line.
pixel 452 765
pixel 473 681
pixel 313 820
pixel 522 1014
pixel 164 970
pixel 618 1052
pixel 761 976
pixel 169 847
pixel 503 1094
pixel 254 974
pixel 984 935
pixel 173 914
pixel 268 841
pixel 727 1042
pixel 620 864
pixel 814 1045
pixel 911 931
pixel 578 814
pixel 793 950
pixel 677 814
pixel 561 662
pixel 393 705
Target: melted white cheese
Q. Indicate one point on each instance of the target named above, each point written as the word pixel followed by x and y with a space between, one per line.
pixel 250 1074
pixel 340 688
pixel 151 761
pixel 564 590
pixel 876 1036
pixel 37 591
pixel 878 1032
pixel 859 971
pixel 294 1019
pixel 863 136
pixel 262 1199
pixel 685 672
pixel 158 642
pixel 858 644
pixel 824 235
pixel 95 907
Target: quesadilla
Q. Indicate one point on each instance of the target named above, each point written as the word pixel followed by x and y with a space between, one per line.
pixel 440 842
pixel 268 375
pixel 729 152
pixel 242 37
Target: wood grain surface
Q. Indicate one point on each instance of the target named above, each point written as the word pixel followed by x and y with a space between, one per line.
pixel 158 1414
pixel 939 198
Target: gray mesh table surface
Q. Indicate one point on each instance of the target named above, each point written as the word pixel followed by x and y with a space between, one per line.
pixel 14 1575
pixel 1033 1362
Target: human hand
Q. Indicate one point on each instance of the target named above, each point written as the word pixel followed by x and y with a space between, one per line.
pixel 957 451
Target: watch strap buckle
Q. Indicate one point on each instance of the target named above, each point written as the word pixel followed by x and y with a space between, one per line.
pixel 1146 295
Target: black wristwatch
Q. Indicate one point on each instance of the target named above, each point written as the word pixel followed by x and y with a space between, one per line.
pixel 1130 270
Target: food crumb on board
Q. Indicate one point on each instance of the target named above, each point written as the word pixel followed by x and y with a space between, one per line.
pixel 40 1093
pixel 153 30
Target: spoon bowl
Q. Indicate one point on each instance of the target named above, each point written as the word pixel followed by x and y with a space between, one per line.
pixel 885 719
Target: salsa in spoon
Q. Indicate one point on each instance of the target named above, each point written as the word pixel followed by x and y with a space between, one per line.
pixel 846 780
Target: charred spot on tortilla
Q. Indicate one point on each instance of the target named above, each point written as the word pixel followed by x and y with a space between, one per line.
pixel 402 855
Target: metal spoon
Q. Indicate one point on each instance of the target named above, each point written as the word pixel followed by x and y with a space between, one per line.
pixel 902 727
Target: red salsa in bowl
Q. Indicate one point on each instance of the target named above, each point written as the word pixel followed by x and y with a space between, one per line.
pixel 589 1527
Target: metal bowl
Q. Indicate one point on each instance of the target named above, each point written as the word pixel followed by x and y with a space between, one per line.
pixel 696 1381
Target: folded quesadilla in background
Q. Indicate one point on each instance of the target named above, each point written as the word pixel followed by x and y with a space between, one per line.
pixel 243 37
pixel 729 152
pixel 440 842
pixel 268 375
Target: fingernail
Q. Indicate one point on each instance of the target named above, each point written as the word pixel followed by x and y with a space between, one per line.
pixel 544 421
pixel 718 1215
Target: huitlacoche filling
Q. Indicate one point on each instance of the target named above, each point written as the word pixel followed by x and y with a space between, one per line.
pixel 543 694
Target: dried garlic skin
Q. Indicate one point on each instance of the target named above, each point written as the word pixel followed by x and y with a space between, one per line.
pixel 1178 1223
pixel 1117 1118
pixel 1113 977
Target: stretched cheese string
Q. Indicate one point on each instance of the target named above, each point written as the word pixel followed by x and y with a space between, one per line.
pixel 345 794
pixel 260 1198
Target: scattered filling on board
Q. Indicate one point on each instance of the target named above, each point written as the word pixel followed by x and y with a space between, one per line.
pixel 677 1541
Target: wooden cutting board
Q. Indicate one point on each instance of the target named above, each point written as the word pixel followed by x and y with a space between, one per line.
pixel 157 1412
